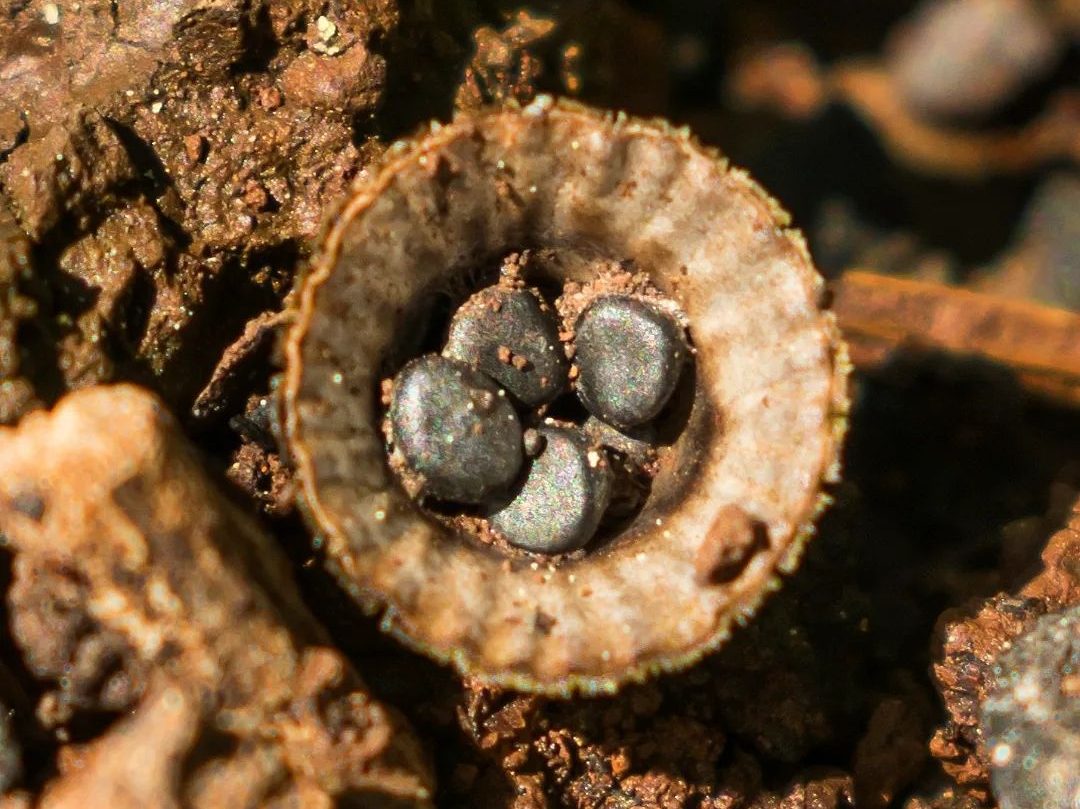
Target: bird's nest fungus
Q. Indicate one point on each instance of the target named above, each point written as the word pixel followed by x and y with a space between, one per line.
pixel 562 396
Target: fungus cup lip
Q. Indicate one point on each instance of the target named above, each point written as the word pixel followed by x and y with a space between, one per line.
pixel 514 653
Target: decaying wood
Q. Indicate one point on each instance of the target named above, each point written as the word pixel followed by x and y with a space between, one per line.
pixel 140 593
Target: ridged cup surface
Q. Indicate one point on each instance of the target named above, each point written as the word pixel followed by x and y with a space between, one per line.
pixel 759 440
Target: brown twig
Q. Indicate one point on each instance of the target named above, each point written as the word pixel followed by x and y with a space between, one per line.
pixel 950 152
pixel 880 315
pixel 788 79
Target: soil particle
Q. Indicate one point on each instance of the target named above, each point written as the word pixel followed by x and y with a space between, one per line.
pixel 77 168
pixel 263 477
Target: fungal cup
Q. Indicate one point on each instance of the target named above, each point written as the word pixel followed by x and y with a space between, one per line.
pixel 749 439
